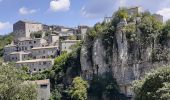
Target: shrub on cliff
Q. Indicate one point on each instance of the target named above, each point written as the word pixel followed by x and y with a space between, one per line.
pixel 155 85
pixel 78 91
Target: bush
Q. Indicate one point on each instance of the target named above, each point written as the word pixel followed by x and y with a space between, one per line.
pixel 155 85
pixel 78 91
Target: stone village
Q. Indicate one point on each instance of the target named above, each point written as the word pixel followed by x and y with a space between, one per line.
pixel 34 47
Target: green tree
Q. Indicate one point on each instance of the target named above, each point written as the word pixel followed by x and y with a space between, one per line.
pixel 72 37
pixel 5 40
pixel 122 13
pixel 37 34
pixel 165 33
pixel 78 91
pixel 151 29
pixel 12 86
pixel 155 85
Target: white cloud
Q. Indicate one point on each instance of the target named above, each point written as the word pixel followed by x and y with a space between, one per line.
pixel 5 25
pixel 5 28
pixel 97 8
pixel 165 12
pixel 26 11
pixel 60 5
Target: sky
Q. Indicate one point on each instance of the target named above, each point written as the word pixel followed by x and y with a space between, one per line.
pixel 70 13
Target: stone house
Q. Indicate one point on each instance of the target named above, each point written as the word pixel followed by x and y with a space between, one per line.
pixel 27 44
pixel 158 17
pixel 38 53
pixel 43 88
pixel 53 39
pixel 135 10
pixel 82 31
pixel 24 28
pixel 66 45
pixel 18 56
pixel 36 65
pixel 45 52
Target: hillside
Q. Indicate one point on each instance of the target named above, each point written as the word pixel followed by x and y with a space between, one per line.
pixel 110 58
pixel 4 40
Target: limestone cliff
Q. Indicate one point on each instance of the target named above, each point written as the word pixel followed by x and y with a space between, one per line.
pixel 129 60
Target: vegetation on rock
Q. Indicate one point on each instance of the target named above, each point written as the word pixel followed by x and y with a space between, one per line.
pixel 155 85
pixel 78 91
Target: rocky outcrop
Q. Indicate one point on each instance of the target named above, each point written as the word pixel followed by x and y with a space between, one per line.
pixel 129 60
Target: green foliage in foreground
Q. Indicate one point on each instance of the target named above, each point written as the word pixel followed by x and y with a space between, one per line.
pixel 12 86
pixel 78 91
pixel 155 86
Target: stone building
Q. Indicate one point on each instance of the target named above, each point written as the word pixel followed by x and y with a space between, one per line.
pixel 26 44
pixel 53 39
pixel 10 48
pixel 24 28
pixel 18 56
pixel 38 53
pixel 82 31
pixel 135 10
pixel 66 45
pixel 158 17
pixel 43 88
pixel 36 65
pixel 107 19
pixel 45 52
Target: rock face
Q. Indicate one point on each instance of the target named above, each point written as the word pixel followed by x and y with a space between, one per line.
pixel 129 60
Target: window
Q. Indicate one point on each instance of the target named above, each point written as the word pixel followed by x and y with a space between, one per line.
pixel 40 70
pixel 34 69
pixel 44 63
pixel 31 46
pixel 34 42
pixel 43 51
pixel 43 86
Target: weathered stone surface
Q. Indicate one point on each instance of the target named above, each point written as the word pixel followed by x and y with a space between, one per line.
pixel 129 60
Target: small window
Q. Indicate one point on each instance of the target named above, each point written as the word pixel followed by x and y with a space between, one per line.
pixel 44 63
pixel 40 70
pixel 34 69
pixel 43 86
pixel 31 46
pixel 34 41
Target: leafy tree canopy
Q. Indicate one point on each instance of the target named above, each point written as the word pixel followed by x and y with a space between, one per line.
pixel 12 86
pixel 78 91
pixel 155 85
